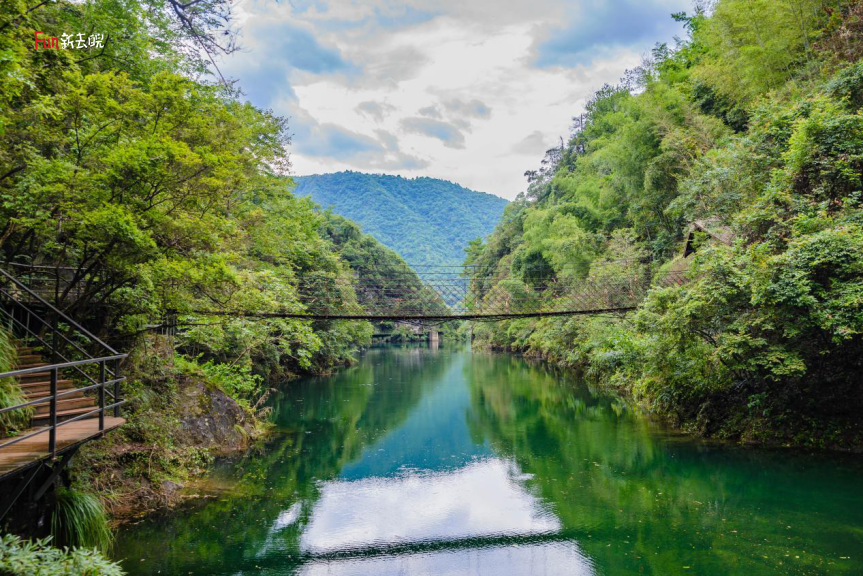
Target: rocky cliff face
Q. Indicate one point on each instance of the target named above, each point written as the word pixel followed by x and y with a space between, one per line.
pixel 212 420
pixel 177 423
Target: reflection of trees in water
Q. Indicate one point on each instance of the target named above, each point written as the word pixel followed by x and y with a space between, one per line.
pixel 322 424
pixel 637 502
pixel 642 504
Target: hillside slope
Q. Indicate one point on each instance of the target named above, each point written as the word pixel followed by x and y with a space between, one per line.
pixel 426 220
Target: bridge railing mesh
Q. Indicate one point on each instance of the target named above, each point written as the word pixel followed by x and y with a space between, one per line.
pixel 468 292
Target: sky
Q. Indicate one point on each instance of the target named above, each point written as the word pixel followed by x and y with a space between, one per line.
pixel 471 91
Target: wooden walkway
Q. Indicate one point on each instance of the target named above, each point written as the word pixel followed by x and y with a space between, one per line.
pixel 35 449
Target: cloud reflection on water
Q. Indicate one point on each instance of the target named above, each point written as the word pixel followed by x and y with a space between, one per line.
pixel 548 559
pixel 481 499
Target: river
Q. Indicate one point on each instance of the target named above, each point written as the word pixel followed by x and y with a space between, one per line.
pixel 451 462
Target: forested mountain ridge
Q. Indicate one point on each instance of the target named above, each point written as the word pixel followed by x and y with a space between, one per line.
pixel 753 124
pixel 425 220
pixel 374 263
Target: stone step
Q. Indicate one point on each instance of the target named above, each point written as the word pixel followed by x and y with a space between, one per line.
pixel 42 419
pixel 25 366
pixel 30 359
pixel 43 393
pixel 64 405
pixel 39 385
pixel 34 377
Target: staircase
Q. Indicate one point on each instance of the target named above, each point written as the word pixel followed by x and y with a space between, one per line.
pixel 38 386
pixel 68 377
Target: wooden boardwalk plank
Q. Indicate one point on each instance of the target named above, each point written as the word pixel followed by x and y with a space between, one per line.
pixel 33 449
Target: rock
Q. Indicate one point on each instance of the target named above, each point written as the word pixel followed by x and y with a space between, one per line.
pixel 211 419
pixel 170 489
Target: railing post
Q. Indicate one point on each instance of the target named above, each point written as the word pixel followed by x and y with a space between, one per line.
pixel 116 389
pixel 52 433
pixel 55 342
pixel 102 380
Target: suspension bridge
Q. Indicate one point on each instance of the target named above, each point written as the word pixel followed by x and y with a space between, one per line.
pixel 434 294
pixel 425 294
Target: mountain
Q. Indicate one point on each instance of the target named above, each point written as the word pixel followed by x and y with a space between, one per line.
pixel 425 220
pixel 373 262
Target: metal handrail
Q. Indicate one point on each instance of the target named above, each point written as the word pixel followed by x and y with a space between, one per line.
pixel 56 311
pixel 60 366
pixel 40 319
pixel 61 395
pixel 54 371
pixel 50 429
pixel 45 280
pixel 38 266
pixel 26 328
pixel 34 326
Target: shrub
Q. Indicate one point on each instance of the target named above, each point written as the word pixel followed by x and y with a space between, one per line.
pixel 235 380
pixel 25 558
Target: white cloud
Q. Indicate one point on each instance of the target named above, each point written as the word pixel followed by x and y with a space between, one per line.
pixel 374 110
pixel 533 144
pixel 449 89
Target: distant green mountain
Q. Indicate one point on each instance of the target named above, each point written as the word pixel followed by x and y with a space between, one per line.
pixel 425 220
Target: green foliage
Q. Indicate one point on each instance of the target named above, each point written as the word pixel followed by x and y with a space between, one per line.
pixel 425 220
pixel 848 86
pixel 25 558
pixel 8 354
pixel 377 265
pixel 753 46
pixel 765 339
pixel 10 392
pixel 235 380
pixel 79 520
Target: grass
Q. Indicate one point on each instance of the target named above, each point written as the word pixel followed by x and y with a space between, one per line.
pixel 79 520
pixel 10 392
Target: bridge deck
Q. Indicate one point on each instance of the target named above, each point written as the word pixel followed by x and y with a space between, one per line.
pixel 35 449
pixel 418 317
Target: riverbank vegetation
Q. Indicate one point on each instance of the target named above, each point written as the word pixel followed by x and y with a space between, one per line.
pixel 25 558
pixel 751 128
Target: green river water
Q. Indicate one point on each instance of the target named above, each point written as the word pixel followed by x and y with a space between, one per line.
pixel 451 462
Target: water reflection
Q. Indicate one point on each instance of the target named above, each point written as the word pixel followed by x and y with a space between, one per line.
pixel 553 559
pixel 419 461
pixel 481 499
